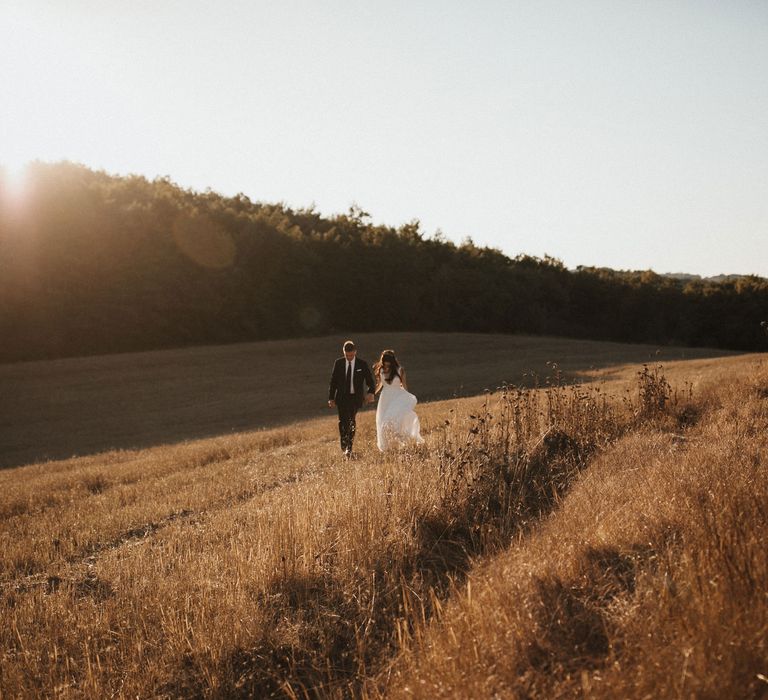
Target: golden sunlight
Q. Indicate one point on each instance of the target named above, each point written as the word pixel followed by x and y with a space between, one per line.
pixel 13 182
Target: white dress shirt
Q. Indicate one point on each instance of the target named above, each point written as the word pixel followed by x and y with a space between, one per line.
pixel 351 375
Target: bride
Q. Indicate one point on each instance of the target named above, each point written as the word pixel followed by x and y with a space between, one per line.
pixel 396 421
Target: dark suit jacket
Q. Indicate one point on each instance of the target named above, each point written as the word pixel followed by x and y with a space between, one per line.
pixel 361 376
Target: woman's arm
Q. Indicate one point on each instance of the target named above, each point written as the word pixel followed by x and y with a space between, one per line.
pixel 369 380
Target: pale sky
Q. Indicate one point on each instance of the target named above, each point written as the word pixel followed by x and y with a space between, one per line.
pixel 631 135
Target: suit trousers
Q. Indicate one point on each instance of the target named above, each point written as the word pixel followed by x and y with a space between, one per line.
pixel 347 407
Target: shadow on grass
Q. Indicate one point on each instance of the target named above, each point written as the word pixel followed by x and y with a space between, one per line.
pixel 345 627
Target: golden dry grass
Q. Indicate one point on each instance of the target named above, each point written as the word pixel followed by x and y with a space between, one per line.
pixel 651 579
pixel 603 540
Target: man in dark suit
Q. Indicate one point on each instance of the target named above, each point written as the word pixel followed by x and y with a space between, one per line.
pixel 347 392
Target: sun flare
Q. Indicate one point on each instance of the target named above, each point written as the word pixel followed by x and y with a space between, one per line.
pixel 13 182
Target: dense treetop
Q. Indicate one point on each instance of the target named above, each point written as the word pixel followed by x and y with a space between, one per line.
pixel 94 263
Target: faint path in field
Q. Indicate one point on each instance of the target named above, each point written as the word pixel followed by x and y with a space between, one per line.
pixel 79 572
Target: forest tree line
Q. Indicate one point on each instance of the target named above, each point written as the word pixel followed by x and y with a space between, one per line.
pixel 94 263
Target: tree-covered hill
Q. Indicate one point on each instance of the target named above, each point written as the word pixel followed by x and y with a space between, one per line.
pixel 94 263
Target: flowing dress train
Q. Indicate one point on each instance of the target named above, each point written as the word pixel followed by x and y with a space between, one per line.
pixel 396 422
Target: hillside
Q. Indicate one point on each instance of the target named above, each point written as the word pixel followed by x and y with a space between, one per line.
pixel 61 408
pixel 92 263
pixel 604 540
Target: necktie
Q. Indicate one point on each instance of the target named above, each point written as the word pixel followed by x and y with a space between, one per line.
pixel 349 377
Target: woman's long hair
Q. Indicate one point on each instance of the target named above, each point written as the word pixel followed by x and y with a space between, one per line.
pixel 394 365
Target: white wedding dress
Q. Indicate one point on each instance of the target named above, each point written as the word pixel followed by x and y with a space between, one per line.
pixel 396 422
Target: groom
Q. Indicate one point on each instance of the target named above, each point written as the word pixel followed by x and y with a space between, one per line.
pixel 347 392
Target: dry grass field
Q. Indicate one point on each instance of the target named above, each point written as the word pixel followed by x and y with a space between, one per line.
pixel 62 408
pixel 603 539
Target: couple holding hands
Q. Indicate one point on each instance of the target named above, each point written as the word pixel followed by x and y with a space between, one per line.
pixel 352 384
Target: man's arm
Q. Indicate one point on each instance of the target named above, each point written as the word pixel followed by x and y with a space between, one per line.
pixel 332 387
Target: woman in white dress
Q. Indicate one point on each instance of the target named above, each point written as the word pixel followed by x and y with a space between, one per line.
pixel 396 422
